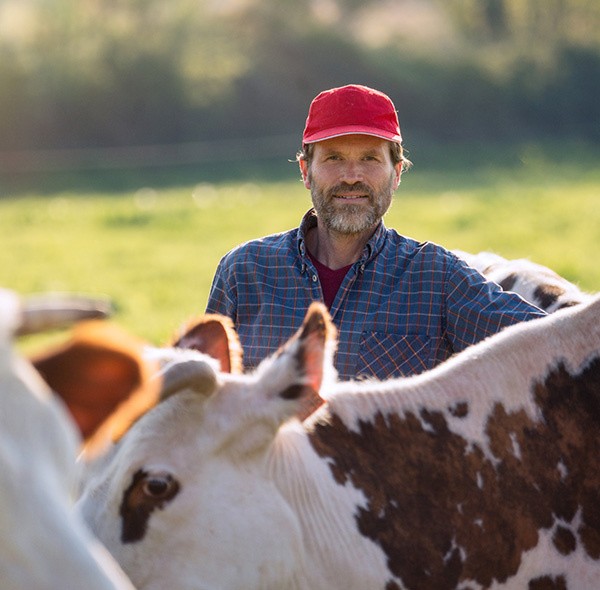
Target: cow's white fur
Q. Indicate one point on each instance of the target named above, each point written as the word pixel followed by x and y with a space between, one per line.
pixel 42 543
pixel 331 547
pixel 260 509
pixel 529 279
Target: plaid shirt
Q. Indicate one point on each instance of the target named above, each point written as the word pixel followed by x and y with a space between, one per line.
pixel 402 308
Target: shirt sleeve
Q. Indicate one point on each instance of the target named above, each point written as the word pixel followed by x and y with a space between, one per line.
pixel 221 297
pixel 477 308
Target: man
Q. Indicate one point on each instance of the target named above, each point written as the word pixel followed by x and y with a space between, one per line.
pixel 400 306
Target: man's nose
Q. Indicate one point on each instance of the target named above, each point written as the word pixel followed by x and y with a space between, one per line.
pixel 352 172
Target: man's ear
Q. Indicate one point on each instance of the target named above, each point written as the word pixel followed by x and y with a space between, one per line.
pixel 398 174
pixel 304 171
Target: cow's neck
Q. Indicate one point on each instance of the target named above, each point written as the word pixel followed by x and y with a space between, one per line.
pixel 324 509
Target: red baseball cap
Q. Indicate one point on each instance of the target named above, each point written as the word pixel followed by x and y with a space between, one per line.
pixel 351 109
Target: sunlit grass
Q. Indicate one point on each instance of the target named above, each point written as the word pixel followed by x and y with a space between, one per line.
pixel 154 252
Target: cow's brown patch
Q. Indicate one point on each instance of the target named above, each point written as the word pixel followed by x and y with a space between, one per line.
pixel 459 409
pixel 508 282
pixel 546 295
pixel 564 540
pixel 590 528
pixel 548 583
pixel 567 304
pixel 430 493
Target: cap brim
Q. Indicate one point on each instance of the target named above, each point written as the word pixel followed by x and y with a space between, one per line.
pixel 324 134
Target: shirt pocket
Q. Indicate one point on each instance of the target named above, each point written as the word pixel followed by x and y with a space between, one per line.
pixel 384 355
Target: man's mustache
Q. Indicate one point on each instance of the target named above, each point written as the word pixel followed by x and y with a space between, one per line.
pixel 358 188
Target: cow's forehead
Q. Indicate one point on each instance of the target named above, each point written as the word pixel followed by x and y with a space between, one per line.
pixel 174 423
pixel 186 424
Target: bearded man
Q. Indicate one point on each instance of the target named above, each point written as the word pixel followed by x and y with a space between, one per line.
pixel 400 306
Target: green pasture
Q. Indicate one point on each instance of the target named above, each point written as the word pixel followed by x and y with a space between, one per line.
pixel 153 250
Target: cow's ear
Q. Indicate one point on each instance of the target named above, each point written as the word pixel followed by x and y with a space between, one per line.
pixel 315 342
pixel 215 336
pixel 97 370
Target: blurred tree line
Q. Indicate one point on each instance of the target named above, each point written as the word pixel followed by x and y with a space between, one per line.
pixel 81 73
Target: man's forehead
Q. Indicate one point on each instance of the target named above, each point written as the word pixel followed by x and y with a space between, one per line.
pixel 350 142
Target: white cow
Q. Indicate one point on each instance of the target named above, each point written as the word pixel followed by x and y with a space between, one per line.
pixel 43 544
pixel 536 283
pixel 482 473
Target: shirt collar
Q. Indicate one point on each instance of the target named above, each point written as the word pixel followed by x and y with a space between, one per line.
pixel 372 247
pixel 308 222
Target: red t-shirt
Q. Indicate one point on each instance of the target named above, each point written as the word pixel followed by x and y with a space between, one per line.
pixel 330 279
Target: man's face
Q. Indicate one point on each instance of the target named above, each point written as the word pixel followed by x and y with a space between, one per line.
pixel 352 180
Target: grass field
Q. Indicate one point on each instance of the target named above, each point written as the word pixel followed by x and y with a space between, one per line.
pixel 154 250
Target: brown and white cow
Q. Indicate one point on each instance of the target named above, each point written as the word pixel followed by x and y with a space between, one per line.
pixel 43 543
pixel 483 473
pixel 536 283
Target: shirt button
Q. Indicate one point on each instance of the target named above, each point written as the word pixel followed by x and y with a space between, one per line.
pixel 314 278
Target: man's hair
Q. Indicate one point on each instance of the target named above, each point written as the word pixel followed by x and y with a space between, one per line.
pixel 396 151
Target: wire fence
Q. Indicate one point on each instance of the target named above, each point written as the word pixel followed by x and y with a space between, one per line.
pixel 146 156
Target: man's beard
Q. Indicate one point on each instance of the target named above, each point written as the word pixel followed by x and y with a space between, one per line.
pixel 346 218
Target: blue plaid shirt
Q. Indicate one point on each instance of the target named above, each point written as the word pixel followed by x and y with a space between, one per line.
pixel 402 308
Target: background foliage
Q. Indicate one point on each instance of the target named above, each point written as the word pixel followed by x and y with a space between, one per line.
pixel 81 73
pixel 142 139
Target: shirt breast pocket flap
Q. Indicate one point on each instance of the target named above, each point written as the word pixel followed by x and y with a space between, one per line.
pixel 384 355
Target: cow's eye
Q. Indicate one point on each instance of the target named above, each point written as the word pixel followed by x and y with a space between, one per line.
pixel 159 486
pixel 148 491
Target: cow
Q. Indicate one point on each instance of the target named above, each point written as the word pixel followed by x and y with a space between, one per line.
pixel 536 283
pixel 43 543
pixel 481 473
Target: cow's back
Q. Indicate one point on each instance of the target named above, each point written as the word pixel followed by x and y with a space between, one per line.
pixel 485 471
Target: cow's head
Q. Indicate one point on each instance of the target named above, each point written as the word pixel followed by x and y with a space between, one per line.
pixel 186 496
pixel 42 543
